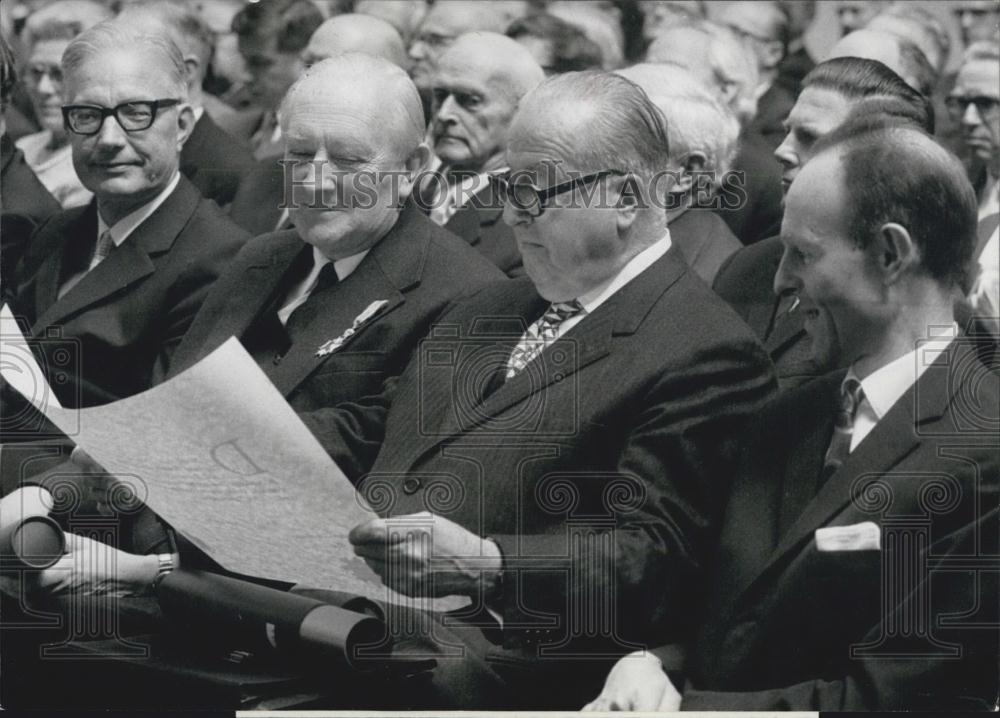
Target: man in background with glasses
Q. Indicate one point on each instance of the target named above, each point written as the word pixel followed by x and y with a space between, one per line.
pixel 107 291
pixel 974 103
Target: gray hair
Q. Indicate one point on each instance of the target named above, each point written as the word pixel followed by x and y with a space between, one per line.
pixel 696 120
pixel 63 20
pixel 620 129
pixel 113 36
pixel 395 88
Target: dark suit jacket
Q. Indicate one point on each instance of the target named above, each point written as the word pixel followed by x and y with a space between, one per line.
pixel 480 223
pixel 129 314
pixel 621 427
pixel 912 625
pixel 257 204
pixel 704 240
pixel 214 161
pixel 759 214
pixel 24 202
pixel 746 281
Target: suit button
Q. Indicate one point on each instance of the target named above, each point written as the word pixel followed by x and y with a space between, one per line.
pixel 411 486
pixel 277 359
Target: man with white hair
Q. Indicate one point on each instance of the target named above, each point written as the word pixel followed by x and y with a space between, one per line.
pixel 724 61
pixel 258 206
pixel 214 161
pixel 476 88
pixel 404 15
pixel 703 135
pixel 894 51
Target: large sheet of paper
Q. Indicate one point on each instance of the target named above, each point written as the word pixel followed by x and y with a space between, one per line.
pixel 18 365
pixel 219 454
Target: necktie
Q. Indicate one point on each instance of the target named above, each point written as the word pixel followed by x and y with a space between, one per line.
pixel 851 396
pixel 304 314
pixel 540 335
pixel 101 251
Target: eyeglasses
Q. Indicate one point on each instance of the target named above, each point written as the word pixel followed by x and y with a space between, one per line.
pixel 131 116
pixel 524 196
pixel 986 106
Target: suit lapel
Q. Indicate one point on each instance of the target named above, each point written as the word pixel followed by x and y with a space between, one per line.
pixel 894 437
pixel 129 262
pixel 82 228
pixel 394 265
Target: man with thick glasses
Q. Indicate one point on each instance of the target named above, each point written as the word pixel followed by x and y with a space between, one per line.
pixel 118 281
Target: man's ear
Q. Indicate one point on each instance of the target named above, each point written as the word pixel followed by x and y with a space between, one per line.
pixel 416 163
pixel 185 124
pixel 895 251
pixel 193 66
pixel 693 164
pixel 630 200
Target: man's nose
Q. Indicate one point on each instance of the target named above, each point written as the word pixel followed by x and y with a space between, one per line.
pixel 46 86
pixel 418 50
pixel 446 110
pixel 786 281
pixel 785 154
pixel 971 115
pixel 111 133
pixel 513 216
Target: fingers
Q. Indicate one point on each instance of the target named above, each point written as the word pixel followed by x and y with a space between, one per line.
pixel 375 532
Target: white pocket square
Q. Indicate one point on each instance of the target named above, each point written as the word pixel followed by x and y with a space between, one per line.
pixel 865 536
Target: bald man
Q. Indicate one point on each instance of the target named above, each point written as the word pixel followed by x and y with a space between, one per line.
pixel 355 33
pixel 476 88
pixel 897 53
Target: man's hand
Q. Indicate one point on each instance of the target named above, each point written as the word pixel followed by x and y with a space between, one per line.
pixel 87 567
pixel 637 683
pixel 427 555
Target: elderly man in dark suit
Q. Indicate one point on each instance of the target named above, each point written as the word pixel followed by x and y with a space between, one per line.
pixel 119 281
pixel 590 404
pixel 831 92
pixel 703 136
pixel 476 86
pixel 856 568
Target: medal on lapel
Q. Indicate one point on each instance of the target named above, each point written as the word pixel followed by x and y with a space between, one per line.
pixel 329 347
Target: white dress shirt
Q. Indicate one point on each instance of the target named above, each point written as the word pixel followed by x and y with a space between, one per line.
pixel 884 386
pixel 301 291
pixel 452 196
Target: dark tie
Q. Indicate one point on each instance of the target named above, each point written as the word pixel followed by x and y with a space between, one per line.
pixel 303 316
pixel 851 396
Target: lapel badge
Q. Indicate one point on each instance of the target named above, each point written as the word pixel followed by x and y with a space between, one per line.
pixel 329 347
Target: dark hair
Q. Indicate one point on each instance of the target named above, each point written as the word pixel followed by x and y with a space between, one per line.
pixel 8 71
pixel 894 172
pixel 571 49
pixel 289 22
pixel 859 79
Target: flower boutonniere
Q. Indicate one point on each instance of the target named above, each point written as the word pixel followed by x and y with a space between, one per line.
pixel 329 347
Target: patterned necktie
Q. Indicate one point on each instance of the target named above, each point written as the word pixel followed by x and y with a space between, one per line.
pixel 540 335
pixel 851 396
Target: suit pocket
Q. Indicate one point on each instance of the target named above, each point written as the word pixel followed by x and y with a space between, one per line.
pixel 367 361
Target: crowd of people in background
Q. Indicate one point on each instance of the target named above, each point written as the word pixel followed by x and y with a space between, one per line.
pixel 751 297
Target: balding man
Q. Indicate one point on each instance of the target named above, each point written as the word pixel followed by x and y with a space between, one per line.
pixel 444 22
pixel 589 404
pixel 258 206
pixel 856 567
pixel 214 161
pixel 830 92
pixel 476 87
pixel 703 135
pixel 404 15
pixel 355 33
pixel 895 52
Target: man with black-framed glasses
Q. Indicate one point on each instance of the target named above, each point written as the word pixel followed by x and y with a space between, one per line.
pixel 119 280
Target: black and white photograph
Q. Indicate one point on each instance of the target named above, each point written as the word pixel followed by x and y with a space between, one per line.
pixel 368 357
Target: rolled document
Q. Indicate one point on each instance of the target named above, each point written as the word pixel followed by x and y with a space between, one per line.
pixel 34 543
pixel 296 625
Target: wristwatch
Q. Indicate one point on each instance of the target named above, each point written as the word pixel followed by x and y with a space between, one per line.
pixel 165 564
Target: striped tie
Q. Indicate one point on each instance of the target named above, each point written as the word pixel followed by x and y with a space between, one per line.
pixel 104 246
pixel 851 396
pixel 540 335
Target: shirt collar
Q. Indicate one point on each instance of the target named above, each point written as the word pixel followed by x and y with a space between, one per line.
pixel 637 265
pixel 343 267
pixel 884 386
pixel 130 222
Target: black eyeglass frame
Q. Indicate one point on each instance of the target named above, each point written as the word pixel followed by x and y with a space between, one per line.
pixel 958 105
pixel 106 112
pixel 542 196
